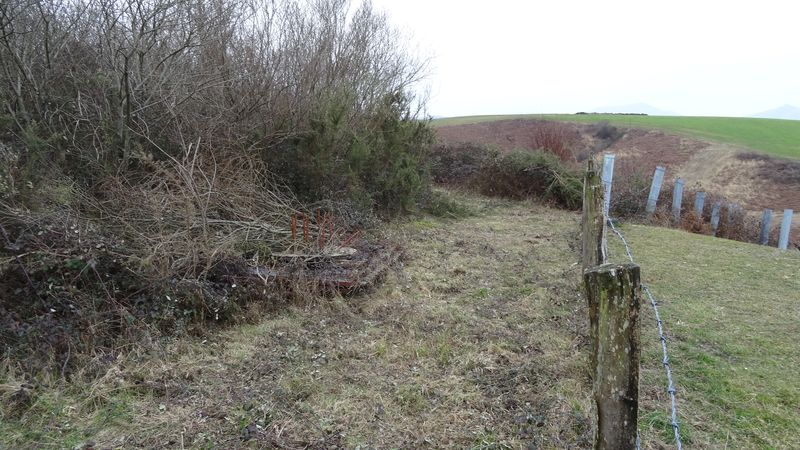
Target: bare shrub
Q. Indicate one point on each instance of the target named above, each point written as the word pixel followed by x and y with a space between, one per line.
pixel 630 189
pixel 99 87
pixel 525 174
pixel 457 164
pixel 163 250
pixel 605 131
pixel 555 138
pixel 139 136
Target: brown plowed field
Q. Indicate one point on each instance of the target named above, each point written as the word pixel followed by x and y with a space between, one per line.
pixel 754 180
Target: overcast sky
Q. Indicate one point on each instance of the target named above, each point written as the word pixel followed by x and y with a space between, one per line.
pixel 700 57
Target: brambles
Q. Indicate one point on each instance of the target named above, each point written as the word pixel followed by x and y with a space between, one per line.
pixel 152 151
pixel 519 174
pixel 457 164
pixel 526 174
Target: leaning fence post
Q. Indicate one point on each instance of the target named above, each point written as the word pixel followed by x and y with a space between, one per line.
pixel 593 222
pixel 608 176
pixel 699 201
pixel 655 190
pixel 786 224
pixel 766 222
pixel 715 218
pixel 614 295
pixel 677 199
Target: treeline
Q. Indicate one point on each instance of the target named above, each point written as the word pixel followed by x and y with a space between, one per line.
pixel 318 90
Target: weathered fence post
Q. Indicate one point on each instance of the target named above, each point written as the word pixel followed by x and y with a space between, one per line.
pixel 677 199
pixel 593 221
pixel 655 190
pixel 766 222
pixel 786 224
pixel 614 295
pixel 699 201
pixel 608 177
pixel 715 218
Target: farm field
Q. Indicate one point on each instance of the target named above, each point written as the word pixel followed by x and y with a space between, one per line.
pixel 478 341
pixel 730 312
pixel 770 136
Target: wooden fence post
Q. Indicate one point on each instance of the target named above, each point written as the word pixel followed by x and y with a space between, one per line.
pixel 677 199
pixel 786 224
pixel 614 295
pixel 699 201
pixel 766 222
pixel 655 190
pixel 593 221
pixel 715 218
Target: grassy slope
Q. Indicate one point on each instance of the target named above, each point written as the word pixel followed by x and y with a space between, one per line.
pixel 776 137
pixel 479 342
pixel 731 313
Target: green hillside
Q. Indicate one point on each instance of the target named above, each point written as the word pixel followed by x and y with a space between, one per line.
pixel 775 137
pixel 729 312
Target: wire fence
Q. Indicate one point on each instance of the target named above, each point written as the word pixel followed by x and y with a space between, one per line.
pixel 667 369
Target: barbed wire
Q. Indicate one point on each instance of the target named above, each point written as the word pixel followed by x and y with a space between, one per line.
pixel 670 385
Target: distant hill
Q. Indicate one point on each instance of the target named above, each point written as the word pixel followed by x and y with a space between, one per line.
pixel 788 112
pixel 636 108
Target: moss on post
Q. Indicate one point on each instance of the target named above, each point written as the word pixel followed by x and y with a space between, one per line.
pixel 614 295
pixel 592 222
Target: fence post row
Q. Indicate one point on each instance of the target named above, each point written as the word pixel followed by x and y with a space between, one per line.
pixel 786 225
pixel 593 225
pixel 699 202
pixel 608 176
pixel 766 223
pixel 677 199
pixel 655 190
pixel 614 295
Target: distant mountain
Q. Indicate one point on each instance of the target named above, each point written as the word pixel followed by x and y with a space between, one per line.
pixel 636 108
pixel 782 112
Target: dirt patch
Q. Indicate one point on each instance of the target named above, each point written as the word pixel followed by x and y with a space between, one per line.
pixel 641 147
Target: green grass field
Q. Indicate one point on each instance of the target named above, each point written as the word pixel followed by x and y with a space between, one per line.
pixel 731 317
pixel 775 137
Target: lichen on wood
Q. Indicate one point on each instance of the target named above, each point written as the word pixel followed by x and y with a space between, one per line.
pixel 614 295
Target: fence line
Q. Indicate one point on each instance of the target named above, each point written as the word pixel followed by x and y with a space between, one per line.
pixel 670 385
pixel 699 205
pixel 595 255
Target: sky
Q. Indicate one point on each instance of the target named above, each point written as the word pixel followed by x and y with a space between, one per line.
pixel 699 57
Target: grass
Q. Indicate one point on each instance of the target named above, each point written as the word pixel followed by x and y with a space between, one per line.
pixel 730 310
pixel 480 341
pixel 771 136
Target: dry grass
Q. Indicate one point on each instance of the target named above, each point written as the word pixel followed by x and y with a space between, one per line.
pixel 167 249
pixel 479 342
